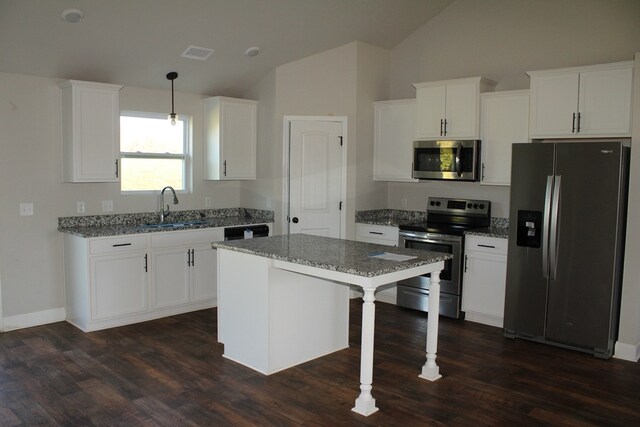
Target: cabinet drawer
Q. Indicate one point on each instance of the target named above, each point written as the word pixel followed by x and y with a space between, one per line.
pixel 117 244
pixel 493 245
pixel 186 237
pixel 378 232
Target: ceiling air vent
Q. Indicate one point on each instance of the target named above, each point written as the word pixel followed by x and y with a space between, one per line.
pixel 195 52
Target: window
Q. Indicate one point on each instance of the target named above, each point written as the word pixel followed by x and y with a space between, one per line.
pixel 153 153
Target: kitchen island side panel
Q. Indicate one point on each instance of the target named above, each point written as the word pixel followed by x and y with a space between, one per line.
pixel 271 319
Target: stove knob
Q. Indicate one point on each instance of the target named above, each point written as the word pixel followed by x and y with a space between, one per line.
pixel 481 205
pixel 469 206
pixel 432 203
pixel 475 206
pixel 437 203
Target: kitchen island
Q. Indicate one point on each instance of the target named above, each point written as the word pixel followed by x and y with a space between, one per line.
pixel 283 300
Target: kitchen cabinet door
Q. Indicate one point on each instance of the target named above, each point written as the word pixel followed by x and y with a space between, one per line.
pixel 118 284
pixel 393 137
pixel 204 282
pixel 461 111
pixel 554 105
pixel 504 121
pixel 171 276
pixel 230 138
pixel 605 102
pixel 484 280
pixel 430 111
pixel 90 131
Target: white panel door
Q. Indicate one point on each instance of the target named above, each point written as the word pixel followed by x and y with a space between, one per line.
pixel 315 178
pixel 171 273
pixel 461 111
pixel 554 102
pixel 605 102
pixel 430 112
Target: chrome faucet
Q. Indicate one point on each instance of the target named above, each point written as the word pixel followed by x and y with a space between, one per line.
pixel 163 213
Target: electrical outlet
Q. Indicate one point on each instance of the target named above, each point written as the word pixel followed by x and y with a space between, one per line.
pixel 26 209
pixel 107 205
pixel 403 202
pixel 269 202
pixel 208 202
pixel 80 207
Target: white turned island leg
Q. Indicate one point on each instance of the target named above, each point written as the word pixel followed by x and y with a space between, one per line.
pixel 430 370
pixel 365 403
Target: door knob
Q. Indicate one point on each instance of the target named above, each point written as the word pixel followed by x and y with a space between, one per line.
pixel 294 220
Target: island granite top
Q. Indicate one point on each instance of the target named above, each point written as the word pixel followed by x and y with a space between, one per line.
pixel 345 256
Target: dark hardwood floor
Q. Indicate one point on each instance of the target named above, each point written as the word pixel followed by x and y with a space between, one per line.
pixel 171 372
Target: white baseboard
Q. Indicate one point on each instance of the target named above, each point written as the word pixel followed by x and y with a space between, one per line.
pixel 37 318
pixel 626 351
pixel 485 319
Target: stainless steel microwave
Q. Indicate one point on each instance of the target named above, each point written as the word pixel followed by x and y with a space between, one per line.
pixel 446 160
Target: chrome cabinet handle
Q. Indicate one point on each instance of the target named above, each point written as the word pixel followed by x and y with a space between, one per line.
pixel 578 127
pixel 573 124
pixel 146 263
pixel 445 127
pixel 224 164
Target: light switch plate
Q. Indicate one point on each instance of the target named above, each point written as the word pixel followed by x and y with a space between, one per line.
pixel 404 203
pixel 107 206
pixel 26 209
pixel 208 202
pixel 80 207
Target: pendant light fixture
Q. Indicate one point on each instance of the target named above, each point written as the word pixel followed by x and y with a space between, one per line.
pixel 172 76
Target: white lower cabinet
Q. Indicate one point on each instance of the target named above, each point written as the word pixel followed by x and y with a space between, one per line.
pixel 114 281
pixel 484 280
pixel 381 235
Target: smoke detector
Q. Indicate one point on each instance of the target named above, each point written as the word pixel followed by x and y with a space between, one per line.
pixel 252 51
pixel 72 15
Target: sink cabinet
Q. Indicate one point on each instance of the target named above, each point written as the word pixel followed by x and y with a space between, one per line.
pixel 587 102
pixel 90 131
pixel 114 281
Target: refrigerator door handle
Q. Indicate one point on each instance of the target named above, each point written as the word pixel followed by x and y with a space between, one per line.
pixel 545 228
pixel 555 227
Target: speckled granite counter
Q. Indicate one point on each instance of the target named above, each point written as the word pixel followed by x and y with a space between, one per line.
pixel 391 217
pixel 120 224
pixel 327 253
pixel 499 232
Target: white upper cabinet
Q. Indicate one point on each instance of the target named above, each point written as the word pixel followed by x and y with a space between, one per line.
pixel 230 138
pixel 90 131
pixel 593 101
pixel 450 109
pixel 393 140
pixel 504 120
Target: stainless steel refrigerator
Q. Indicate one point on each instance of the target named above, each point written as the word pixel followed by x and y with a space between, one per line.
pixel 566 243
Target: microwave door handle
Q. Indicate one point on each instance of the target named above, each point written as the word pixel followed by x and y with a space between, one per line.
pixel 458 162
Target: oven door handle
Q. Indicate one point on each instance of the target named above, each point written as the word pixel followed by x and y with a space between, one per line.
pixel 458 160
pixel 440 241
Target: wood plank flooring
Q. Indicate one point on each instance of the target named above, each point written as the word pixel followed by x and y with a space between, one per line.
pixel 171 372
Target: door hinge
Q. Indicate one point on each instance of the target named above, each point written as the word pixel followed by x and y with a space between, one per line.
pixel 340 206
pixel 340 141
pixel 288 218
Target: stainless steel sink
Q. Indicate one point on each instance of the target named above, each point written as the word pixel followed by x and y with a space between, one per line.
pixel 173 224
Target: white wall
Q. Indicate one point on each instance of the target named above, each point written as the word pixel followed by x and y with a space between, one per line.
pixel 30 171
pixel 339 82
pixel 501 40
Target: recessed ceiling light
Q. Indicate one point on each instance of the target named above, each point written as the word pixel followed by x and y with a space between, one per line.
pixel 195 52
pixel 252 51
pixel 72 15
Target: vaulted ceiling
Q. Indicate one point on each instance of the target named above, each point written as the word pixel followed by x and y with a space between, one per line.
pixel 137 42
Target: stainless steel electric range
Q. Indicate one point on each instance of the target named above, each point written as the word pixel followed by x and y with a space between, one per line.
pixel 447 220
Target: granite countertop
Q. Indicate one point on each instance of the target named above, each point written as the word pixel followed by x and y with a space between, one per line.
pixel 390 217
pixel 499 232
pixel 121 224
pixel 345 256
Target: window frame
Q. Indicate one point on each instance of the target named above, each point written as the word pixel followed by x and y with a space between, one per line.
pixel 187 172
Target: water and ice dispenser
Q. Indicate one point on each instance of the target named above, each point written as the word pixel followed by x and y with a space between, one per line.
pixel 529 231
